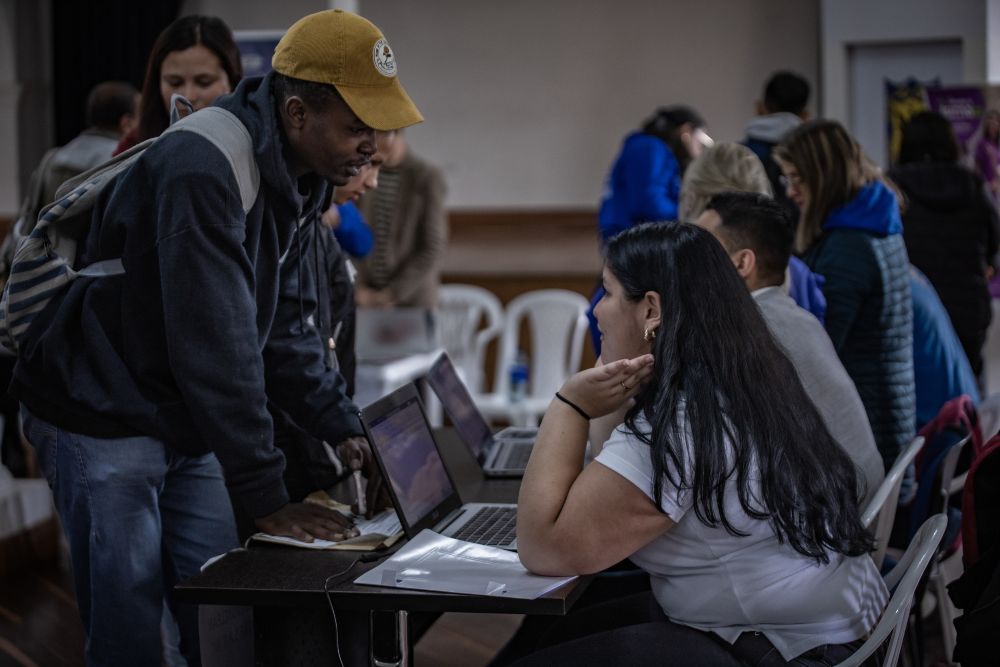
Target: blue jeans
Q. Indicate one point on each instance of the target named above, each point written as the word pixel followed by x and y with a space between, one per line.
pixel 138 519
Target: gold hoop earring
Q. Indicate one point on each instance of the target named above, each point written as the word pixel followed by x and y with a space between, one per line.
pixel 648 334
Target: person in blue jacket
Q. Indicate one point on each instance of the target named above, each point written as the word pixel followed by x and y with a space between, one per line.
pixel 343 217
pixel 645 180
pixel 941 370
pixel 351 231
pixel 850 232
pixel 146 394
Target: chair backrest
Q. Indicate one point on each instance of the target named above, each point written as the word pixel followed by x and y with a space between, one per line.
pixel 558 322
pixel 468 319
pixel 936 464
pixel 881 509
pixel 902 582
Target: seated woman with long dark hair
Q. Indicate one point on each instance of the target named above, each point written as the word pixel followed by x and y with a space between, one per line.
pixel 723 483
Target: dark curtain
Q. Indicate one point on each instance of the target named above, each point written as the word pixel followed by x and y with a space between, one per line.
pixel 100 40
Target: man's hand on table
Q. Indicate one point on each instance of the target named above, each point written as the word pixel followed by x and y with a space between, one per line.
pixel 306 522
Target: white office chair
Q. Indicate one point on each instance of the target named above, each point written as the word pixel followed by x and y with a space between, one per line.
pixel 557 321
pixel 468 319
pixel 880 512
pixel 902 582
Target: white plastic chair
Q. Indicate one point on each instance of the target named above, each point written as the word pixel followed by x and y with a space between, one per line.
pixel 461 329
pixel 948 565
pixel 881 509
pixel 558 323
pixel 902 582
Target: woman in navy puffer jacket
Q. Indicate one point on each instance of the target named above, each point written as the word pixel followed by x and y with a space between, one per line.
pixel 850 232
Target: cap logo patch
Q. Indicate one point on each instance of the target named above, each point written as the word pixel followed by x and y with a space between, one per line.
pixel 385 61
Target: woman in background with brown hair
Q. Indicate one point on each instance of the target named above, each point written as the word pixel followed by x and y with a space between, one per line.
pixel 195 56
pixel 850 232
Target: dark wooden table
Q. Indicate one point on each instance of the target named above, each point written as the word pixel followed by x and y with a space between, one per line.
pixel 275 580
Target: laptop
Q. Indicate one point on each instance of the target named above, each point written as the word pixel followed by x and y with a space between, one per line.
pixel 419 483
pixel 387 334
pixel 504 454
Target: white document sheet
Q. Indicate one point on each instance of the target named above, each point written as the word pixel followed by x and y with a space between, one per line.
pixel 432 562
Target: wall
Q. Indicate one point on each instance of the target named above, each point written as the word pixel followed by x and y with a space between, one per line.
pixel 526 102
pixel 254 15
pixel 9 89
pixel 25 97
pixel 993 45
pixel 850 22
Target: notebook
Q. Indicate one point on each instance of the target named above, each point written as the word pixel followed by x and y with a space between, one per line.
pixel 388 334
pixel 504 454
pixel 419 483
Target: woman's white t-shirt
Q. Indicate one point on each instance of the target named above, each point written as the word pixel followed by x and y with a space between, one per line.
pixel 706 578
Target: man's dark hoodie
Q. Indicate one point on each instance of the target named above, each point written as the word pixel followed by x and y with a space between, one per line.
pixel 207 323
pixel 950 229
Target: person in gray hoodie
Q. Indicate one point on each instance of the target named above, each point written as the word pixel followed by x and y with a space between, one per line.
pixel 783 108
pixel 110 114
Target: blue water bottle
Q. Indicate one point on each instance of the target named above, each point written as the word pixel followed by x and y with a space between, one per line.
pixel 519 377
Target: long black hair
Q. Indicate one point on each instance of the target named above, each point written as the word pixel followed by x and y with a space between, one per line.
pixel 719 374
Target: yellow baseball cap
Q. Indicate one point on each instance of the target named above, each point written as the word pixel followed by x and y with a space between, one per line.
pixel 348 52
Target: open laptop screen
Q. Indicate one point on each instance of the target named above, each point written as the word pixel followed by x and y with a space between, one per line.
pixel 411 460
pixel 461 409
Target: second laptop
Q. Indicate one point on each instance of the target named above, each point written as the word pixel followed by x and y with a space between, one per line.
pixel 504 454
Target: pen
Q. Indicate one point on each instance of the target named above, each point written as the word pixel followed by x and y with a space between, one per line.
pixel 359 493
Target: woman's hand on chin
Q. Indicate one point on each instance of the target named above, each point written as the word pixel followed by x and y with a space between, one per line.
pixel 606 387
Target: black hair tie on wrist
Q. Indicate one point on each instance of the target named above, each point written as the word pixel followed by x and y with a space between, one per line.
pixel 573 405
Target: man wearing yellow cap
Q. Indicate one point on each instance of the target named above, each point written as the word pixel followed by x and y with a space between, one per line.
pixel 140 392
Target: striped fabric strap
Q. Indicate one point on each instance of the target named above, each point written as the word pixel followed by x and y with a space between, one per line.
pixel 57 210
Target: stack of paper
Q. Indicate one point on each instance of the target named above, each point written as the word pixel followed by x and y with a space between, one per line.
pixel 432 562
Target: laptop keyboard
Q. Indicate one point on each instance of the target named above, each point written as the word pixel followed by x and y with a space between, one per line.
pixel 519 434
pixel 492 526
pixel 516 456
